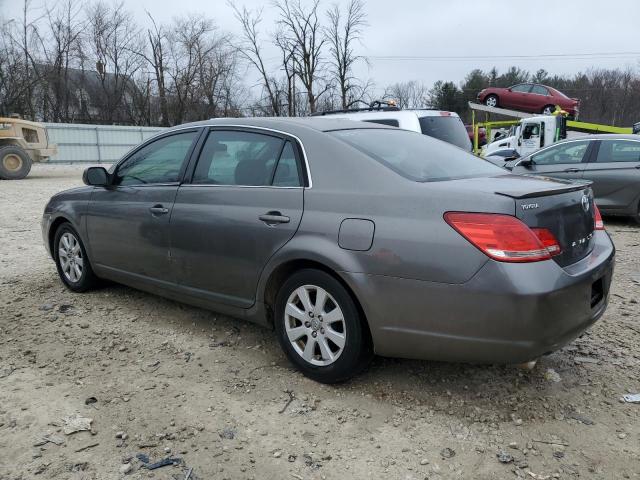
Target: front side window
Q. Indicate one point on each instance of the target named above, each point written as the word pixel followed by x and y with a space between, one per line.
pixel 522 88
pixel 416 156
pixel 531 130
pixel 618 151
pixel 247 159
pixel 157 162
pixel 572 152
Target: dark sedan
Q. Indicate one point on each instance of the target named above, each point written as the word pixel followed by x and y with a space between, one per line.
pixel 529 97
pixel 347 238
pixel 611 162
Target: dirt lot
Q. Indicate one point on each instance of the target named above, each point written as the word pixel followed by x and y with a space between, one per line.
pixel 166 380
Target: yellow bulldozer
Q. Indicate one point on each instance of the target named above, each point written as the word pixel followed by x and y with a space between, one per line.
pixel 22 143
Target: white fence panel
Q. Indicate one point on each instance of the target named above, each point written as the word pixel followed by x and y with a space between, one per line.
pixel 79 143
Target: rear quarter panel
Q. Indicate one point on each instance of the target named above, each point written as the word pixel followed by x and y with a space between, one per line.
pixel 411 238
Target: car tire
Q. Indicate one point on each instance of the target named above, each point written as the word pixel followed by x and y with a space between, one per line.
pixel 491 101
pixel 327 341
pixel 71 260
pixel 15 163
pixel 548 109
pixel 637 216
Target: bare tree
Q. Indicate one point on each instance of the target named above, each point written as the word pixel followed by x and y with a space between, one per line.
pixel 114 42
pixel 60 47
pixel 302 32
pixel 408 94
pixel 251 51
pixel 157 38
pixel 342 35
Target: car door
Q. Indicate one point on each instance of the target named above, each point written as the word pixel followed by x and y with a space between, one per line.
pixel 518 96
pixel 128 221
pixel 538 98
pixel 531 137
pixel 615 172
pixel 244 202
pixel 563 160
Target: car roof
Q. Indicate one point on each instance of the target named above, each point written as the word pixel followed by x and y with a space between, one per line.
pixel 412 112
pixel 604 136
pixel 320 124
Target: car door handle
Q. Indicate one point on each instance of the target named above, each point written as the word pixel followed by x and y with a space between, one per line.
pixel 572 170
pixel 272 218
pixel 158 210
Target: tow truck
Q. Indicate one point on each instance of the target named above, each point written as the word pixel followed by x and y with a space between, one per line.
pixel 529 133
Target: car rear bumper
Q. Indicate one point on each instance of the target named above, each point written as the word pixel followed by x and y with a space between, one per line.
pixel 507 313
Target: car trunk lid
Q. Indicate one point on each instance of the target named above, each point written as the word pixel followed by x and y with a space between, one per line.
pixel 565 209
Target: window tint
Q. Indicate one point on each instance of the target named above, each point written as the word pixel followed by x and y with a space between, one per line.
pixel 522 88
pixel 237 158
pixel 415 156
pixel 618 151
pixel 157 162
pixel 572 152
pixel 540 90
pixel 287 172
pixel 448 129
pixel 385 121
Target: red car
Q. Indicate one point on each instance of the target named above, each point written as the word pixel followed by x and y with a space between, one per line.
pixel 482 135
pixel 529 97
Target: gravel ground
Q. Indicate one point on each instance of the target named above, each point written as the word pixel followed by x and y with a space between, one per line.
pixel 166 380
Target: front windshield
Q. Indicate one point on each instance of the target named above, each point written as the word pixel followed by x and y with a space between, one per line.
pixel 415 156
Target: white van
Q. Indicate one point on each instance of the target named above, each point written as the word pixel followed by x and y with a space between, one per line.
pixel 445 126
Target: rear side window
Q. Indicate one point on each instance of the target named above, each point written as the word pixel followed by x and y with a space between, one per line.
pixel 448 129
pixel 246 159
pixel 157 162
pixel 522 88
pixel 618 151
pixel 540 90
pixel 385 121
pixel 287 172
pixel 415 156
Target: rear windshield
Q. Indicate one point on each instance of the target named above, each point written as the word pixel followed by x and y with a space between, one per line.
pixel 447 129
pixel 416 156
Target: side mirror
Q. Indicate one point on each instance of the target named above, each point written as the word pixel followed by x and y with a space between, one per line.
pixel 526 163
pixel 96 176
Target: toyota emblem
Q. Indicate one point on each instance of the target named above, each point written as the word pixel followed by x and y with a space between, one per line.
pixel 585 203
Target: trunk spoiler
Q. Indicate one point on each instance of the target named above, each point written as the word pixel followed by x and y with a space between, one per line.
pixel 558 186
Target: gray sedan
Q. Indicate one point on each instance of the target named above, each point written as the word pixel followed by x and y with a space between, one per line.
pixel 611 162
pixel 347 238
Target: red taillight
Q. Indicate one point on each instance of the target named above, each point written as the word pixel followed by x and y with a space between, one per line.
pixel 503 237
pixel 597 217
pixel 548 241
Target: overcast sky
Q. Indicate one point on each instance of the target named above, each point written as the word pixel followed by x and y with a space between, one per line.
pixel 483 32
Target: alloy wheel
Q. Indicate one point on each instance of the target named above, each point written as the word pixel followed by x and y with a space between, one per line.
pixel 491 102
pixel 315 325
pixel 70 257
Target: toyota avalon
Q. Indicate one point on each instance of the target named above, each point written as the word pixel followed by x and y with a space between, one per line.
pixel 346 238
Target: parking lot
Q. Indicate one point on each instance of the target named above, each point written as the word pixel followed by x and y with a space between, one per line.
pixel 164 380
